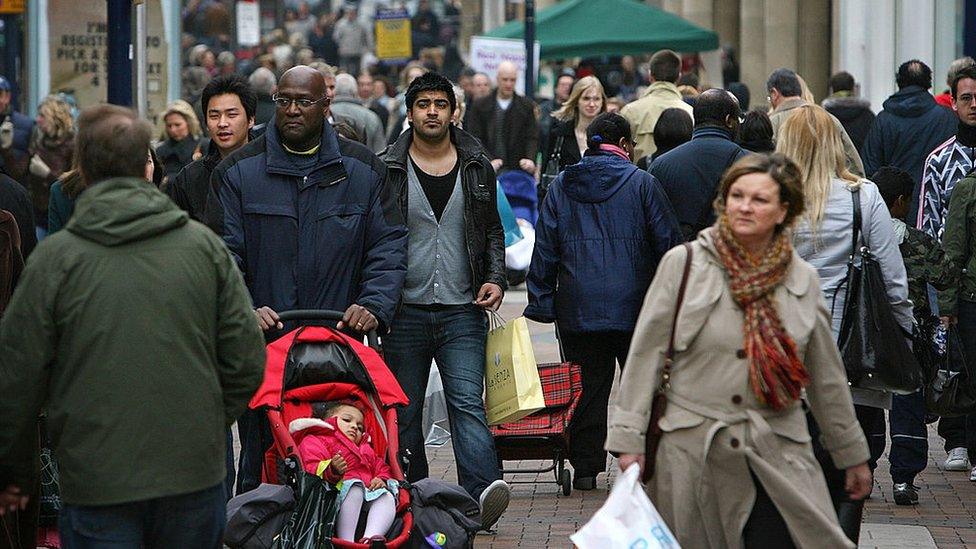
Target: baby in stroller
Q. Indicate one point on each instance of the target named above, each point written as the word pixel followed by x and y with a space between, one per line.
pixel 333 444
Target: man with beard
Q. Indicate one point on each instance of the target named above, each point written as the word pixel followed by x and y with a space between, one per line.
pixel 309 220
pixel 445 186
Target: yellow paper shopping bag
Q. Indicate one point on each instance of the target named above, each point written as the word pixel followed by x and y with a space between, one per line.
pixel 512 386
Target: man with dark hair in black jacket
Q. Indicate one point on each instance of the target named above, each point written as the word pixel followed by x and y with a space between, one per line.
pixel 445 186
pixel 853 112
pixel 228 103
pixel 910 127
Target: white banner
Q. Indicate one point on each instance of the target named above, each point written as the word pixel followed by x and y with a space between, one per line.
pixel 248 24
pixel 487 53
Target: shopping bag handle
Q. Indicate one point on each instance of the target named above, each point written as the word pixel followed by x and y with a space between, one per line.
pixel 495 320
pixel 559 343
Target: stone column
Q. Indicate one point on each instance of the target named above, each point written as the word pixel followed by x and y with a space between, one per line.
pixel 698 12
pixel 781 24
pixel 470 23
pixel 813 41
pixel 752 49
pixel 726 24
pixel 672 6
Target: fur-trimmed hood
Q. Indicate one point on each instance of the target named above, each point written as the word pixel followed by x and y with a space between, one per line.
pixel 840 101
pixel 314 425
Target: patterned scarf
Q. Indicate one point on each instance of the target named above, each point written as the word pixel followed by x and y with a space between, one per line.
pixel 776 374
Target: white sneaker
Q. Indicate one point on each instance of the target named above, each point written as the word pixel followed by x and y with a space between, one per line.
pixel 494 500
pixel 972 475
pixel 958 460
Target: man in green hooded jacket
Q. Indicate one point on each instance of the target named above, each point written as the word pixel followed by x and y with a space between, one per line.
pixel 134 330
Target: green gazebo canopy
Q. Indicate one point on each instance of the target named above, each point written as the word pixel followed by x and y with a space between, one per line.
pixel 586 28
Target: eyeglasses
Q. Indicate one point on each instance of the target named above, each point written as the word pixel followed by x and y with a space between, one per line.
pixel 285 102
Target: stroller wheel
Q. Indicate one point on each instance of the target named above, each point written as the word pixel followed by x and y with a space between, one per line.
pixel 566 482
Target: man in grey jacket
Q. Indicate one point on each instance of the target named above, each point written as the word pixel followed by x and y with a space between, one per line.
pixel 353 39
pixel 346 107
pixel 785 94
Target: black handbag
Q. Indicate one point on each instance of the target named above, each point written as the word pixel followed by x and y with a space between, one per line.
pixel 950 393
pixel 873 346
pixel 552 166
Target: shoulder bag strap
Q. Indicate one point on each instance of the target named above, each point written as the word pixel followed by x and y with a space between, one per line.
pixel 669 355
pixel 855 233
pixel 556 155
pixel 856 197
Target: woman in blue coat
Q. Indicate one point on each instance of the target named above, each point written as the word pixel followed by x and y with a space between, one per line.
pixel 604 226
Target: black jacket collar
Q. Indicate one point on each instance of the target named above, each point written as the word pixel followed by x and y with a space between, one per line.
pixel 468 147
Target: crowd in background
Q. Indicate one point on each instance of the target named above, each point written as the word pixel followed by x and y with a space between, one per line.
pixel 641 151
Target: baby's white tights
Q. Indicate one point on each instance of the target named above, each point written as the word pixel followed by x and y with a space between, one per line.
pixel 379 518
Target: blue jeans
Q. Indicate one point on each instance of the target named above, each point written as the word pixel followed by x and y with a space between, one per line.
pixel 191 521
pixel 455 337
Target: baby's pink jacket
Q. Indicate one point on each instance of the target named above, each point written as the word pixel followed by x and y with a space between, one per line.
pixel 318 440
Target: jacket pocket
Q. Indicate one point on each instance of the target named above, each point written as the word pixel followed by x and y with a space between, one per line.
pixel 341 221
pixel 258 208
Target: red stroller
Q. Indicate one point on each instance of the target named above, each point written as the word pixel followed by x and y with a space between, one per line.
pixel 315 364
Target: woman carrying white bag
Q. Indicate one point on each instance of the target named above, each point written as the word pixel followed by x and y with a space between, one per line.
pixel 734 466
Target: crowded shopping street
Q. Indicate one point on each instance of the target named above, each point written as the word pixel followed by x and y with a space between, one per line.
pixel 457 274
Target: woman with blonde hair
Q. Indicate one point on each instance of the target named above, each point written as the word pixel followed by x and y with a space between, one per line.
pixel 733 334
pixel 51 154
pixel 568 135
pixel 180 137
pixel 823 237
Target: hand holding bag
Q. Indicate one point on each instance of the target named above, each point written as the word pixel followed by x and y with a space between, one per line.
pixel 872 344
pixel 652 438
pixel 627 519
pixel 950 392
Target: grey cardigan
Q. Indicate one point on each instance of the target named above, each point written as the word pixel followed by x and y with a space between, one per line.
pixel 829 247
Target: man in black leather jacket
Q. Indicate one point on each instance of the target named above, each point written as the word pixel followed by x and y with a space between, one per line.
pixel 444 185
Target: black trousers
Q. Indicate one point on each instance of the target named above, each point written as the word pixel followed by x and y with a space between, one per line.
pixel 960 432
pixel 849 512
pixel 766 528
pixel 596 353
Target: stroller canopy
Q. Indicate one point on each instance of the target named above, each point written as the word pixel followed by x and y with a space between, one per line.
pixel 362 361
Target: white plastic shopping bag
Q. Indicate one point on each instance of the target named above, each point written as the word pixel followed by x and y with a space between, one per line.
pixel 627 519
pixel 437 428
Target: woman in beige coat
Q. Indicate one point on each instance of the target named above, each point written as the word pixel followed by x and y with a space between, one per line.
pixel 735 467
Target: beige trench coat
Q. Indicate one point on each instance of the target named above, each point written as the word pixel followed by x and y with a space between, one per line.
pixel 715 430
pixel 644 112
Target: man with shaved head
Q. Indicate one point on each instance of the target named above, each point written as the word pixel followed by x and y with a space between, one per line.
pixel 121 323
pixel 690 172
pixel 310 221
pixel 506 123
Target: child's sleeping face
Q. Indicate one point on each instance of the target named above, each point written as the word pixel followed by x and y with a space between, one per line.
pixel 350 422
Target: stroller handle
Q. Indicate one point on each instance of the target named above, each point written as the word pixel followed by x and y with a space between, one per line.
pixel 324 314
